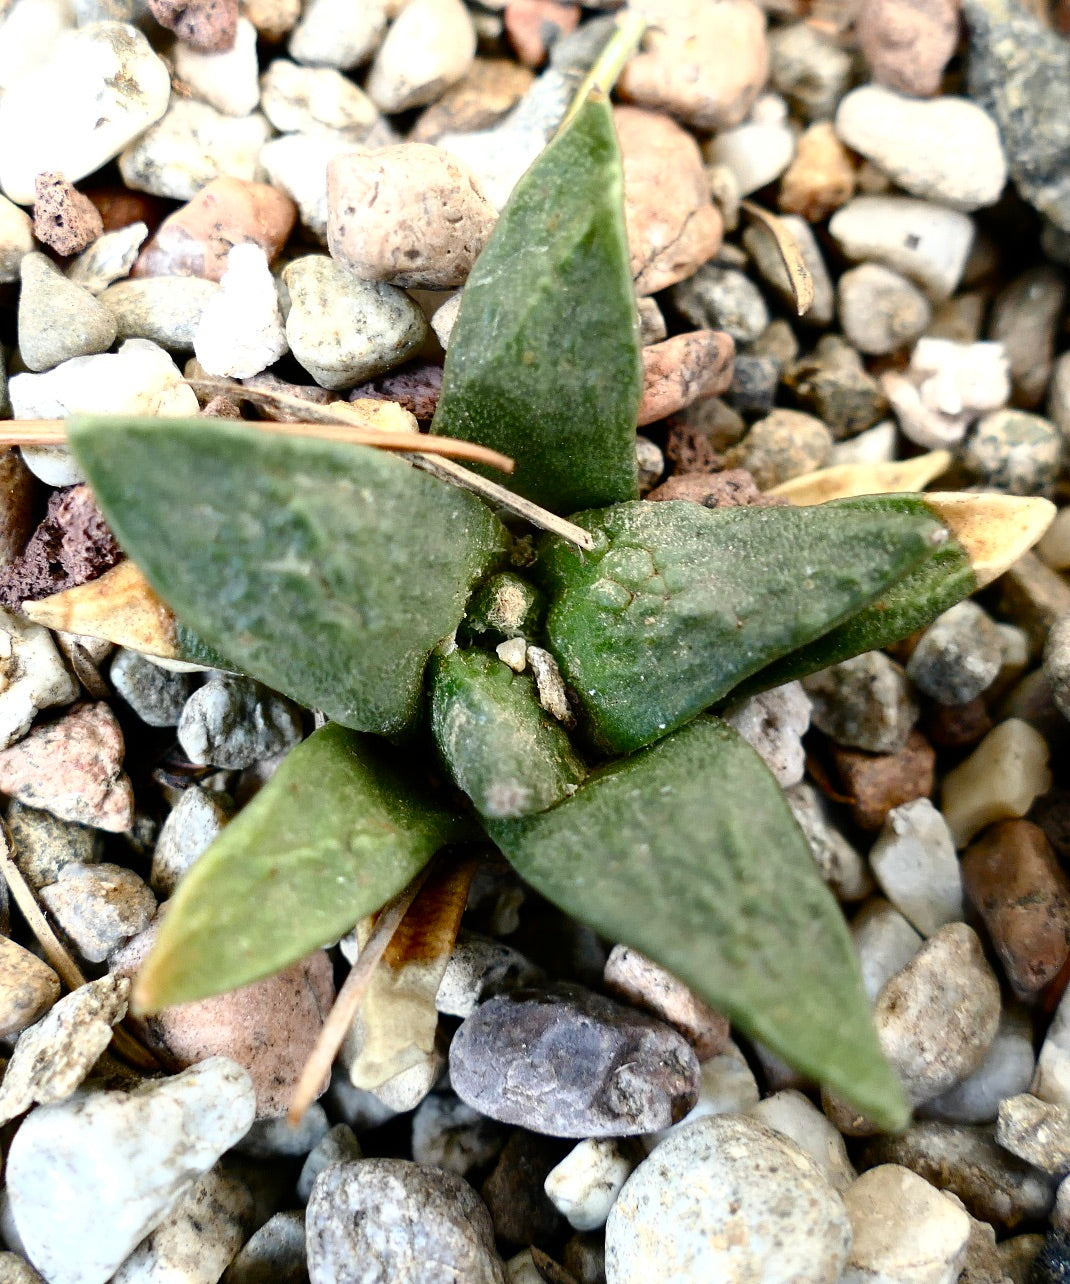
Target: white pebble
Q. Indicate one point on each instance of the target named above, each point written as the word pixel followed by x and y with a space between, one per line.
pixel 795 1116
pixel 877 445
pixel 430 46
pixel 16 239
pixel 1051 1082
pixel 338 33
pixel 773 723
pixel 884 941
pixel 915 863
pixel 840 864
pixel 28 35
pixel 998 781
pixel 943 149
pixel 946 387
pixel 109 1166
pixel 297 164
pixel 32 676
pixel 228 81
pixel 880 310
pixel 241 330
pixel 108 259
pixel 1006 1071
pixel 756 152
pixel 310 99
pixel 583 1186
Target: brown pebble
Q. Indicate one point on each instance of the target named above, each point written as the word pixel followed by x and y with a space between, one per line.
pixel 535 26
pixel 416 387
pixel 28 988
pixel 18 488
pixel 673 225
pixel 518 1204
pixel 877 782
pixel 733 488
pixel 72 545
pixel 958 726
pixel 640 981
pixel 908 43
pixel 282 413
pixel 698 436
pixel 63 218
pixel 268 1027
pixel 119 207
pixel 207 25
pixel 73 768
pixel 490 89
pixel 1011 875
pixel 220 408
pixel 196 239
pixel 682 369
pixel 820 178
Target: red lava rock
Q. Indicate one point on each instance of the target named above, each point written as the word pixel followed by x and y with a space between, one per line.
pixel 958 726
pixel 119 207
pixel 533 26
pixel 73 769
pixel 208 25
pixel 1011 875
pixel 491 88
pixel 63 218
pixel 72 545
pixel 416 387
pixel 673 225
pixel 682 369
pixel 733 488
pixel 908 43
pixel 268 1027
pixel 196 239
pixel 877 782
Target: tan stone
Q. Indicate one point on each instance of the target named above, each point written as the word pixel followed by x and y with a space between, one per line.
pixel 821 178
pixel 704 61
pixel 683 369
pixel 908 43
pixel 641 982
pixel 492 87
pixel 196 239
pixel 272 18
pixel 28 988
pixel 430 46
pixel 673 226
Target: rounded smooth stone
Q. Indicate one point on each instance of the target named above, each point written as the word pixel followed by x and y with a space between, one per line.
pixel 344 330
pixel 28 988
pixel 915 863
pixel 430 46
pixel 381 1220
pixel 720 298
pixel 727 1199
pixel 58 320
pixel 1015 452
pixel 165 309
pixel 571 1063
pixel 880 310
pixel 338 33
pixel 1006 1071
pixel 947 149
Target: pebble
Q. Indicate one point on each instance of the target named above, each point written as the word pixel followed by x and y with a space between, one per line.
pixel 519 1207
pixel 878 782
pixel 387 1219
pixel 98 88
pixel 156 695
pixel 241 330
pixel 42 844
pixel 275 1254
pixel 72 768
pixel 965 1160
pixel 235 722
pixel 1058 390
pixel 796 1117
pixel 833 384
pixel 296 165
pixel 773 724
pixel 1006 1071
pixel 16 1270
pixel 719 298
pixel 727 1086
pixel 958 656
pixel 163 309
pixel 197 238
pixel 191 826
pixel 903 1229
pixel 279 1139
pixel 1024 319
pixel 1013 878
pixel 876 445
pixel 338 1146
pixel 477 968
pixel 942 149
pixel 914 862
pixel 58 319
pixel 673 226
pixel 299 100
pixel 447 1133
pixel 28 988
pixel 16 239
pixel 335 33
pixel 757 152
pixel 342 329
pixel 99 906
pixel 809 68
pixel 785 444
pixel 192 144
pixel 1036 1131
pixel 884 941
pixel 198 1238
pixel 727 1198
pixel 28 32
pixel 431 45
pixel 641 982
pixel 948 384
pixel 1054 546
pixel 767 259
pixel 865 702
pixel 573 1064
pixel 838 862
pixel 937 1017
pixel 32 674
pixel 53 1057
pixel 822 176
pixel 998 781
pixel 585 1184
pixel 1056 664
pixel 702 63
pixel 879 309
pixel 63 219
pixel 649 458
pixel 490 89
pixel 908 43
pixel 1018 70
pixel 924 241
pixel 228 80
pixel 110 258
pixel 108 1166
pixel 411 215
pixel 1015 452
pixel 682 370
pixel 208 25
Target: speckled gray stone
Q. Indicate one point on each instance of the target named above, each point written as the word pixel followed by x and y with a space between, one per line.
pixel 1014 452
pixel 344 330
pixel 478 967
pixel 235 722
pixel 958 656
pixel 1036 1131
pixel 719 298
pixel 156 695
pixel 380 1220
pixel 99 907
pixel 572 1064
pixel 58 319
pixel 165 309
pixel 727 1198
pixel 773 724
pixel 275 1254
pixel 839 863
pixel 338 1146
pixel 447 1133
pixel 880 310
pixel 785 444
pixel 44 843
pixel 192 824
pixel 864 702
